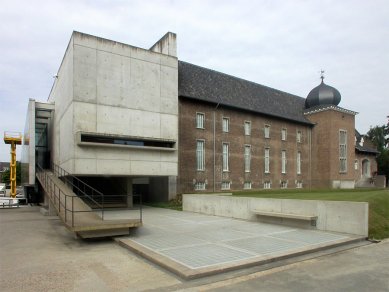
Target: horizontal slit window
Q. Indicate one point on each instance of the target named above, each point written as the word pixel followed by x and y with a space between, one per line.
pixel 126 141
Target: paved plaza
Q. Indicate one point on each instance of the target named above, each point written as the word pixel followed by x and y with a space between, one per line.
pixel 194 245
pixel 38 254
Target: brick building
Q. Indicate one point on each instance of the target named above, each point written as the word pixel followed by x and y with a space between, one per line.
pixel 235 134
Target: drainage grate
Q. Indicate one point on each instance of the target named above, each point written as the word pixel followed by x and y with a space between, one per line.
pixel 309 236
pixel 164 241
pixel 263 245
pixel 205 255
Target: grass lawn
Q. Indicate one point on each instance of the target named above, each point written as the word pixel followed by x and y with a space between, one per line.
pixel 378 203
pixel 175 204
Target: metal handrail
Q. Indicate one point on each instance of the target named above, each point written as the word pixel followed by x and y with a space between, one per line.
pixel 51 186
pixel 81 186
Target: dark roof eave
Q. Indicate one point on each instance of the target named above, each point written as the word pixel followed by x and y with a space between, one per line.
pixel 307 123
pixel 364 150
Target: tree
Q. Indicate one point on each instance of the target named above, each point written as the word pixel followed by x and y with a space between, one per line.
pixel 379 135
pixel 6 174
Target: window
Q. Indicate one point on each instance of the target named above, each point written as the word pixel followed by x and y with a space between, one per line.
pixel 200 157
pixel 298 163
pixel 267 184
pixel 200 121
pixel 247 158
pixel 96 139
pixel 299 184
pixel 284 184
pixel 267 160
pixel 226 125
pixel 267 131
pixel 199 186
pixel 343 151
pixel 225 156
pixel 247 185
pixel 226 185
pixel 283 161
pixel 247 128
pixel 298 136
pixel 356 164
pixel 283 134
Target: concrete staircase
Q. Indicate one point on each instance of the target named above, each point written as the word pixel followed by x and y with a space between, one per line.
pixel 77 216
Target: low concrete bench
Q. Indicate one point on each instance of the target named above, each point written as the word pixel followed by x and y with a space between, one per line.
pixel 310 218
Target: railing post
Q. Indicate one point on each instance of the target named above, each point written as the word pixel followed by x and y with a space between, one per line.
pixel 59 201
pixel 102 206
pixel 66 209
pixel 72 211
pixel 140 207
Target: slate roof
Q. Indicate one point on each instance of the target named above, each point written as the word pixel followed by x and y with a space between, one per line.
pixel 204 84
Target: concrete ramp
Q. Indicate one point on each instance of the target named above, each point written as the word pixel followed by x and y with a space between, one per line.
pixel 77 216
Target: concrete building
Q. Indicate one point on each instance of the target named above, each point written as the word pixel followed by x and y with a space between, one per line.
pixel 129 120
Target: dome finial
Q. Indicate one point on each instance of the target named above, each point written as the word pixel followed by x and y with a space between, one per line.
pixel 322 75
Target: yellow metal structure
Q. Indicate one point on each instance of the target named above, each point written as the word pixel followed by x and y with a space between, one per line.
pixel 13 138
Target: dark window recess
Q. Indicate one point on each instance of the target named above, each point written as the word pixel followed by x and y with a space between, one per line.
pixel 124 141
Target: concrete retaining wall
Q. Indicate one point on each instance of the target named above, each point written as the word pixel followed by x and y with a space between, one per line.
pixel 345 217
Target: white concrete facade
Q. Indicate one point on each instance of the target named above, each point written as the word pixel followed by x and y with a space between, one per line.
pixel 111 89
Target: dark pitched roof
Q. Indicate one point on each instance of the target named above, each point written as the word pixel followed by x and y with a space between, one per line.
pixel 367 147
pixel 208 85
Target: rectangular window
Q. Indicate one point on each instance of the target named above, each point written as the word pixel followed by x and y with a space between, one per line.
pixel 356 164
pixel 343 151
pixel 284 184
pixel 226 185
pixel 299 184
pixel 105 139
pixel 267 131
pixel 247 128
pixel 225 156
pixel 200 157
pixel 200 121
pixel 226 125
pixel 283 134
pixel 199 186
pixel 247 158
pixel 247 185
pixel 267 185
pixel 267 160
pixel 298 136
pixel 283 161
pixel 298 163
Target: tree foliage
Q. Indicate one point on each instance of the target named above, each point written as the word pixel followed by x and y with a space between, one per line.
pixel 6 174
pixel 379 135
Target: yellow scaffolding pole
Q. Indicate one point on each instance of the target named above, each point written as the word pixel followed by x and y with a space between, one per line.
pixel 13 138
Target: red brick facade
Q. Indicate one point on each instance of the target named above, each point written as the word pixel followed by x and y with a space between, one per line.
pixel 214 137
pixel 326 170
pixel 319 150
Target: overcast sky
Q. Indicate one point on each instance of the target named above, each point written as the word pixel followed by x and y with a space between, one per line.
pixel 281 44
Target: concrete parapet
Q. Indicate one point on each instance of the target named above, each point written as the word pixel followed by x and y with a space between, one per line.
pixel 338 216
pixel 167 45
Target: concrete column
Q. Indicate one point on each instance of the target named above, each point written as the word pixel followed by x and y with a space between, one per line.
pixel 129 192
pixel 172 185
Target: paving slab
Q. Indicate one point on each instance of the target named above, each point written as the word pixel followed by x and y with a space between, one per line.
pixel 194 245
